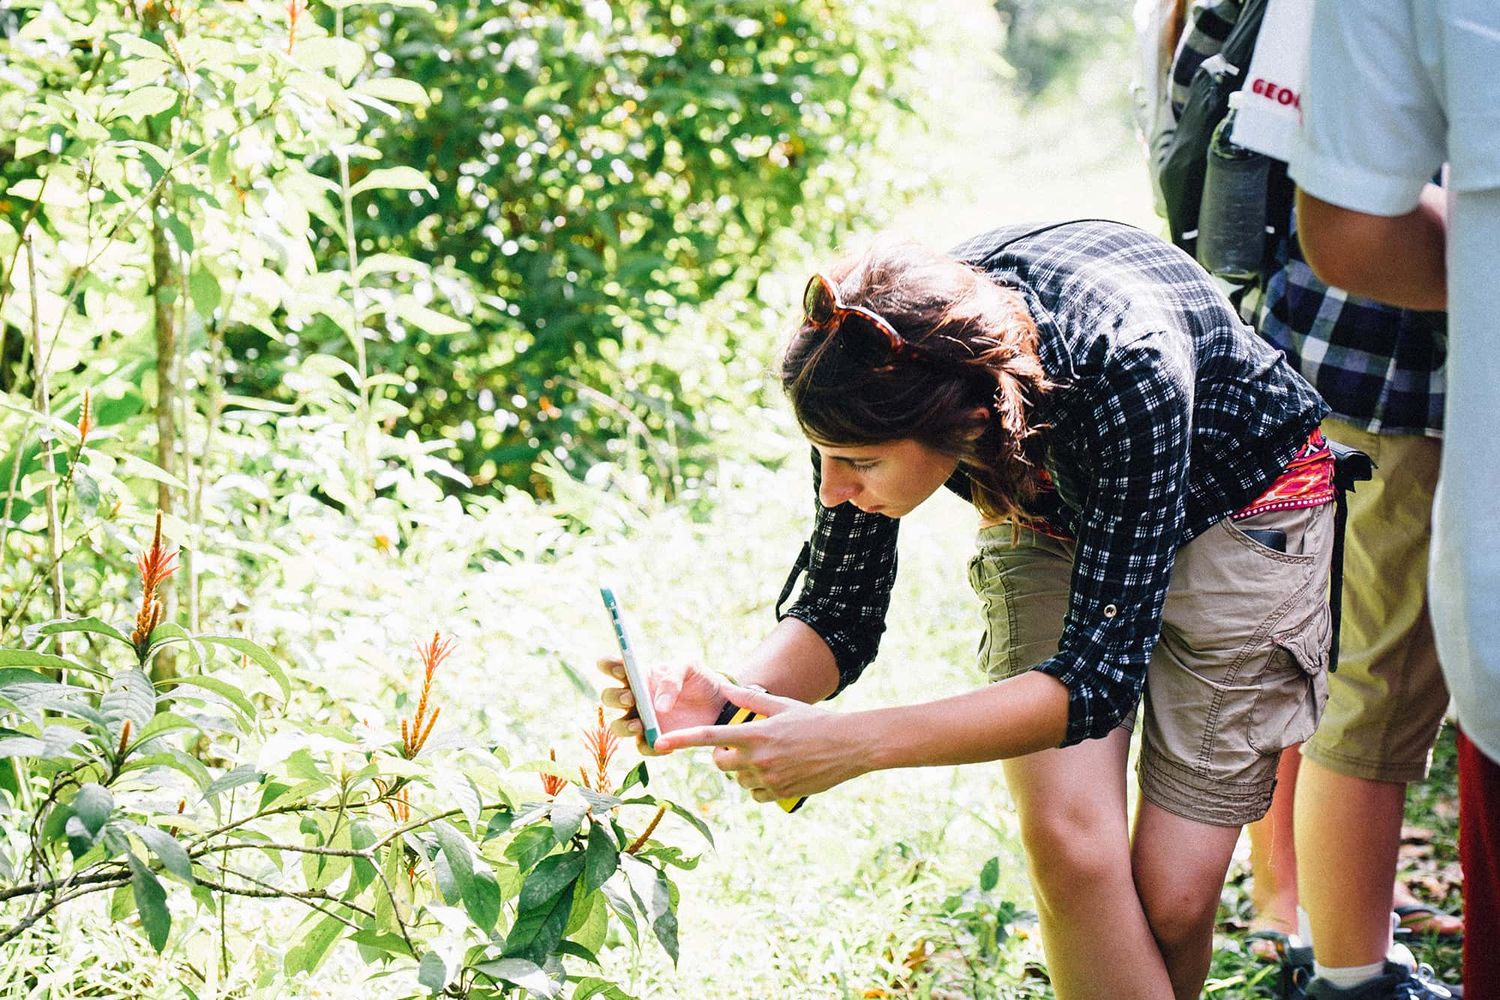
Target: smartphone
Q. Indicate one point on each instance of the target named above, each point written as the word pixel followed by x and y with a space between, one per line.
pixel 634 675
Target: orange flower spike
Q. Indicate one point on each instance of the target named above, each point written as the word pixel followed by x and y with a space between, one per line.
pixel 433 654
pixel 85 420
pixel 551 783
pixel 601 745
pixel 155 565
pixel 294 9
pixel 124 739
pixel 431 721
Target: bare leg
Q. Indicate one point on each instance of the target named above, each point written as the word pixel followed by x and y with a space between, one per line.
pixel 1273 856
pixel 1348 833
pixel 1179 872
pixel 1073 824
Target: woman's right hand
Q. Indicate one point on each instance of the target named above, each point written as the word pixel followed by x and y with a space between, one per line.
pixel 685 695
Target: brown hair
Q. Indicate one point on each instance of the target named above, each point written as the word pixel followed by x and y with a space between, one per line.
pixel 975 347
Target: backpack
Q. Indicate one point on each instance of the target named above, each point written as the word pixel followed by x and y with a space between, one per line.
pixel 1186 157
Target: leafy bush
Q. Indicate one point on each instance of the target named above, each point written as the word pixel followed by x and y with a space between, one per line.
pixel 387 841
pixel 598 169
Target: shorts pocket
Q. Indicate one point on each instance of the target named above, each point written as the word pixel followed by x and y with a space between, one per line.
pixel 1293 687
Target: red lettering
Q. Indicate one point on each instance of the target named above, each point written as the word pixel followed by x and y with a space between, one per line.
pixel 1285 96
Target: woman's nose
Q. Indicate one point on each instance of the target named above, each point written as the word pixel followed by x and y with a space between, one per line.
pixel 837 486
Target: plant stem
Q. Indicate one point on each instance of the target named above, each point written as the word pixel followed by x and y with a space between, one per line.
pixel 362 456
pixel 43 403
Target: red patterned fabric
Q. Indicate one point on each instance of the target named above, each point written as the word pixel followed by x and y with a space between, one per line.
pixel 1307 481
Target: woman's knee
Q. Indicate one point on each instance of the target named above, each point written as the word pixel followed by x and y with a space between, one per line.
pixel 1072 848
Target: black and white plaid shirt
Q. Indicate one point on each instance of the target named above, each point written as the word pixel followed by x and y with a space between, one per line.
pixel 1170 415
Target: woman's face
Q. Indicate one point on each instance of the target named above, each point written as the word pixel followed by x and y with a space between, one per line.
pixel 890 479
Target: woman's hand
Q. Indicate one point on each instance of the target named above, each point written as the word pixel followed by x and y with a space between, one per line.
pixel 684 696
pixel 796 750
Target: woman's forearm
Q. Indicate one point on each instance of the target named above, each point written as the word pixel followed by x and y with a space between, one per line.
pixel 1010 718
pixel 794 662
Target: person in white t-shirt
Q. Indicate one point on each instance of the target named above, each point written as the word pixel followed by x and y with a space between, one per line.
pixel 1399 88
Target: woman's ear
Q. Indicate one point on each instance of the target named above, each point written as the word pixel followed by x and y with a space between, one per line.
pixel 978 421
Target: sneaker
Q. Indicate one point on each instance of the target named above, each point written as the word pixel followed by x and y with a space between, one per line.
pixel 1397 982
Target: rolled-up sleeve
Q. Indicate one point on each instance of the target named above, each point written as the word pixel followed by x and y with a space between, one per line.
pixel 1128 529
pixel 850 562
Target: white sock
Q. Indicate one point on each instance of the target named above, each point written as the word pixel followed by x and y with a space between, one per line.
pixel 1350 976
pixel 1304 927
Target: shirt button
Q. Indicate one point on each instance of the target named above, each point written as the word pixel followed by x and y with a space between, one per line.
pixel 1110 611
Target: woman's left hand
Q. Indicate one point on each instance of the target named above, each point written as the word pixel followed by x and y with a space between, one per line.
pixel 796 750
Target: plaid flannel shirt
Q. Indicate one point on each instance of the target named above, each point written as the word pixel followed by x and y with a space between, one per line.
pixel 1378 367
pixel 1169 414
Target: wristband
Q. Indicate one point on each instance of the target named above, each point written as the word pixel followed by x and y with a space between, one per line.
pixel 733 715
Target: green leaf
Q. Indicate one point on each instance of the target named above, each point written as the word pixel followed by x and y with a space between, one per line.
pixel 590 987
pixel 92 805
pixel 638 776
pixel 520 972
pixel 130 698
pixel 621 907
pixel 693 820
pixel 90 811
pixel 394 179
pixel 989 875
pixel 59 626
pixel 601 858
pixel 150 903
pixel 432 972
pixel 588 924
pixel 31 658
pixel 121 903
pixel 429 321
pixel 184 763
pixel 390 944
pixel 21 746
pixel 390 88
pixel 132 466
pixel 651 889
pixel 142 102
pixel 203 287
pixel 472 877
pixel 223 689
pixel 542 914
pixel 167 850
pixel 567 813
pixel 160 725
pixel 245 774
pixel 87 490
pixel 313 944
pixel 168 634
pixel 18 675
pixel 257 653
pixel 530 846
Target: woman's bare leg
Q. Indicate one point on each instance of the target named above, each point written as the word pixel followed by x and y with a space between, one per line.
pixel 1074 826
pixel 1179 869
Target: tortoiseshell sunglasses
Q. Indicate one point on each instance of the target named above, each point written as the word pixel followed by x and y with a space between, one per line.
pixel 866 335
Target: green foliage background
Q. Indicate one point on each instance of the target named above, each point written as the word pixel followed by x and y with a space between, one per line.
pixel 467 305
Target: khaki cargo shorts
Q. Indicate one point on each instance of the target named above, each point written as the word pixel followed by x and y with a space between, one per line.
pixel 1240 670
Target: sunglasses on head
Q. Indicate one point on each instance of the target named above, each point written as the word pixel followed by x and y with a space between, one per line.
pixel 863 333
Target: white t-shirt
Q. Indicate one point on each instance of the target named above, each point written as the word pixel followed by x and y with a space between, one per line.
pixel 1395 89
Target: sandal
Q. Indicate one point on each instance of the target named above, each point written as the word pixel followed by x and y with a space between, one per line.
pixel 1424 920
pixel 1295 961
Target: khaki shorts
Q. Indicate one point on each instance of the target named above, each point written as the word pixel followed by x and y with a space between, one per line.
pixel 1240 670
pixel 1387 700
